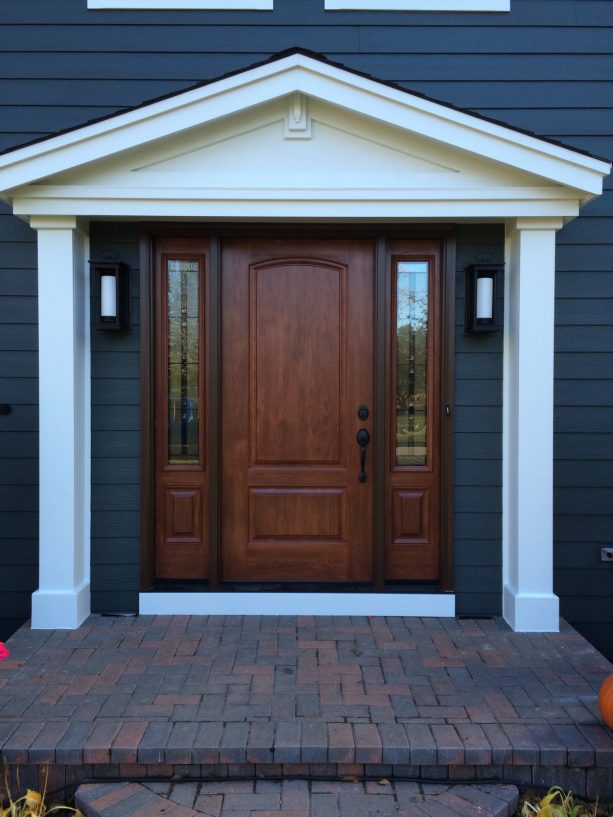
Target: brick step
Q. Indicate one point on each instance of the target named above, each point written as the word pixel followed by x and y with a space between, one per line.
pixel 195 698
pixel 296 798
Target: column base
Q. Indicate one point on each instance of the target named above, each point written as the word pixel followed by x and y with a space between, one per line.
pixel 531 612
pixel 60 610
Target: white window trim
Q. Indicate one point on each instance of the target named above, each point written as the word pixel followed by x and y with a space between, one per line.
pixel 182 5
pixel 329 5
pixel 417 5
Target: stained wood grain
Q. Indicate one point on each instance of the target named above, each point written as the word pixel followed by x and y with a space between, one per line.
pixel 297 341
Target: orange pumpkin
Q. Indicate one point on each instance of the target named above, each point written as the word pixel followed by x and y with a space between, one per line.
pixel 605 701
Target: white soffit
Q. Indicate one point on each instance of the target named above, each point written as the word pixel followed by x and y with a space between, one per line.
pixel 274 134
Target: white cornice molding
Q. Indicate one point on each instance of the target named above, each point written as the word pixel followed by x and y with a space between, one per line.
pixel 311 206
pixel 303 74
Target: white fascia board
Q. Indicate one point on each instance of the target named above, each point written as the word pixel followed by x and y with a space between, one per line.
pixel 460 130
pixel 321 194
pixel 141 126
pixel 301 73
pixel 417 5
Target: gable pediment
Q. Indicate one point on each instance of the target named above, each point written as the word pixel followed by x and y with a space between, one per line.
pixel 281 136
pixel 342 150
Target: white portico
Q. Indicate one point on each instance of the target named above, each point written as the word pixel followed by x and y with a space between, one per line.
pixel 303 140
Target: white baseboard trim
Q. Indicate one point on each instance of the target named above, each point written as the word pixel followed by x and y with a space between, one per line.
pixel 298 604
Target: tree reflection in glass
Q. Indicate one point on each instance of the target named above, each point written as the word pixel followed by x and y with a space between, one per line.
pixel 411 362
pixel 183 361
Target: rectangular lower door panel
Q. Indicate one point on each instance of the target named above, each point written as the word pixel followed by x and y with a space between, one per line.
pixel 182 514
pixel 296 513
pixel 282 560
pixel 410 516
pixel 411 551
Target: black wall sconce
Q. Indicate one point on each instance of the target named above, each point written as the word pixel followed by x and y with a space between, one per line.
pixel 480 297
pixel 111 291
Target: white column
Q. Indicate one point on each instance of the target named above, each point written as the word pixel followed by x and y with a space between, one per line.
pixel 63 598
pixel 529 604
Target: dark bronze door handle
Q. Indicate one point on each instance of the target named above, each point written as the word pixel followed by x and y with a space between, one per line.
pixel 363 438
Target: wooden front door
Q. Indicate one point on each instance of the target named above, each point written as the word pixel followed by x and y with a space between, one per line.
pixel 264 356
pixel 297 341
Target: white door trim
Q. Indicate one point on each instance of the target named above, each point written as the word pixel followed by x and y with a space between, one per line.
pixel 298 604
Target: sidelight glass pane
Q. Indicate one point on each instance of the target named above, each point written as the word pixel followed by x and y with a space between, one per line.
pixel 183 361
pixel 411 362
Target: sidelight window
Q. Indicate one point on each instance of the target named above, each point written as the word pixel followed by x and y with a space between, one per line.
pixel 182 281
pixel 411 362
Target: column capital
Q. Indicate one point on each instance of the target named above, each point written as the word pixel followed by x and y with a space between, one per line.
pixel 47 223
pixel 53 222
pixel 540 223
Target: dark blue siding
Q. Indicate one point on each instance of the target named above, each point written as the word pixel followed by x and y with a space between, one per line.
pixel 116 440
pixel 478 441
pixel 546 66
pixel 584 426
pixel 18 430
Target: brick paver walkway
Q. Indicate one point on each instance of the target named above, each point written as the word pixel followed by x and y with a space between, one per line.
pixel 413 698
pixel 297 798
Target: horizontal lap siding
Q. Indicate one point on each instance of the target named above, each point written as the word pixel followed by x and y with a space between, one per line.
pixel 546 66
pixel 116 439
pixel 478 440
pixel 19 429
pixel 583 468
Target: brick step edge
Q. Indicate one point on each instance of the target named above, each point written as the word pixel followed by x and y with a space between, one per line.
pixel 296 798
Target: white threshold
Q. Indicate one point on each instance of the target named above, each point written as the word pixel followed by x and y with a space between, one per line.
pixel 440 605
